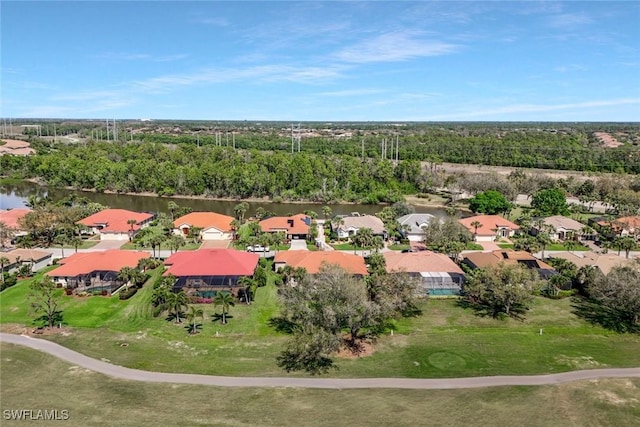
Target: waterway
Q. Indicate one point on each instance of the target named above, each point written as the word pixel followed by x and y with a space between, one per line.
pixel 14 195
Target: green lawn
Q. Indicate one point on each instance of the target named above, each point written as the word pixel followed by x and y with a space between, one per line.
pixel 190 246
pixel 446 341
pixel 399 247
pixel 562 247
pixel 505 245
pixel 93 399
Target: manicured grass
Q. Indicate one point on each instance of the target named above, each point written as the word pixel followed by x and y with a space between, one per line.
pixel 399 247
pixel 312 247
pixel 190 246
pixel 562 247
pixel 505 245
pixel 93 399
pixel 86 244
pixel 472 246
pixel 348 247
pixel 446 341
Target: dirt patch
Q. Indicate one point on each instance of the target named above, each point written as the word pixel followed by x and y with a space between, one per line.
pixel 365 349
pixel 611 397
pixel 36 332
pixel 607 140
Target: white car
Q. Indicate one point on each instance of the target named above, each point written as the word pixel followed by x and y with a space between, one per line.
pixel 257 248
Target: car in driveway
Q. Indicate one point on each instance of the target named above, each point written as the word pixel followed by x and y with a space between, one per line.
pixel 257 248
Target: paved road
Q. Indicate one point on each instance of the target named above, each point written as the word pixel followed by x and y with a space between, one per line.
pixel 120 372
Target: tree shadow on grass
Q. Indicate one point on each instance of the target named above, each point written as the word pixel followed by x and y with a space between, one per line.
pixel 608 318
pixel 281 324
pixel 517 311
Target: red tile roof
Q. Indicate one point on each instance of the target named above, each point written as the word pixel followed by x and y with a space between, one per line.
pixel 420 262
pixel 281 223
pixel 86 262
pixel 211 262
pixel 312 260
pixel 486 259
pixel 490 224
pixel 115 220
pixel 205 220
pixel 11 217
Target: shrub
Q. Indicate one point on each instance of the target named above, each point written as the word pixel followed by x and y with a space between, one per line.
pixel 9 280
pixel 200 300
pixel 128 293
pixel 68 291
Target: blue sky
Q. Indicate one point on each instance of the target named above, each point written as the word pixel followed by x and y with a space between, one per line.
pixel 326 61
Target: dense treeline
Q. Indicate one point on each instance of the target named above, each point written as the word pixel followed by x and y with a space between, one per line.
pixel 215 171
pixel 568 146
pixel 570 149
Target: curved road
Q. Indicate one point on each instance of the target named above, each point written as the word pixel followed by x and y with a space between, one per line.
pixel 120 372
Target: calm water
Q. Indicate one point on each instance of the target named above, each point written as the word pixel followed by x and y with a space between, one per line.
pixel 14 196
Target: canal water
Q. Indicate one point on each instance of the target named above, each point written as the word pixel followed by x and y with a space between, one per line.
pixel 14 195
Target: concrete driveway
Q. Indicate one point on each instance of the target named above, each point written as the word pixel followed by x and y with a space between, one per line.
pixel 298 245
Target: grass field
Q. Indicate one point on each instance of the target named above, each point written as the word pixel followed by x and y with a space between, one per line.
pixel 94 400
pixel 446 341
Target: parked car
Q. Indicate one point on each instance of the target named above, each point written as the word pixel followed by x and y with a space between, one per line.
pixel 257 248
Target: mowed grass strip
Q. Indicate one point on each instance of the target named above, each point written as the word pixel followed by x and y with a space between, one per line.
pixel 445 341
pixel 93 399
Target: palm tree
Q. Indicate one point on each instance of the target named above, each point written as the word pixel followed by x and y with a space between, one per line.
pixel 175 242
pixel 173 208
pixel 248 284
pixel 61 239
pixel 362 239
pixel 131 223
pixel 570 244
pixel 192 317
pixel 377 243
pixel 476 224
pixel 75 241
pixel 126 274
pixel 326 212
pixel 240 209
pixel 175 302
pixel 225 300
pixel 3 261
pixel 145 263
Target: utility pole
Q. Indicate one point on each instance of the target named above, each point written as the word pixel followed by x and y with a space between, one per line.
pixel 362 148
pixel 107 129
pixel 55 134
pixel 233 137
pixel 292 143
pixel 397 149
pixel 299 137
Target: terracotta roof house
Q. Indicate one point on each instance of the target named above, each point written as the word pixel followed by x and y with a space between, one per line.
pixel 295 227
pixel 563 228
pixel 348 226
pixel 17 257
pixel 628 226
pixel 113 224
pixel 214 226
pixel 16 147
pixel 491 227
pixel 95 271
pixel 11 218
pixel 414 223
pixel 605 262
pixel 486 259
pixel 312 261
pixel 439 275
pixel 207 271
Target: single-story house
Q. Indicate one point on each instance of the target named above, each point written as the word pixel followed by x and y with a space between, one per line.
pixel 413 224
pixel 295 227
pixel 11 219
pixel 117 224
pixel 18 257
pixel 95 271
pixel 604 262
pixel 207 271
pixel 313 260
pixel 627 226
pixel 439 275
pixel 489 227
pixel 348 226
pixel 214 226
pixel 563 228
pixel 486 259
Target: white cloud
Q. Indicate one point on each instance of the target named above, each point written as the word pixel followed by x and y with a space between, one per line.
pixel 129 56
pixel 394 46
pixel 569 20
pixel 535 108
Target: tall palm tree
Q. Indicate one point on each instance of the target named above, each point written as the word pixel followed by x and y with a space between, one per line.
pixel 126 274
pixel 225 300
pixel 176 302
pixel 75 241
pixel 192 317
pixel 570 244
pixel 240 209
pixel 3 261
pixel 248 286
pixel 326 212
pixel 131 223
pixel 476 224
